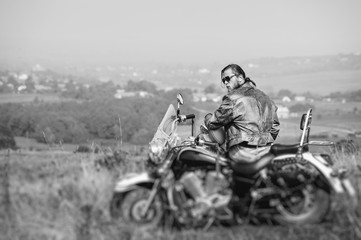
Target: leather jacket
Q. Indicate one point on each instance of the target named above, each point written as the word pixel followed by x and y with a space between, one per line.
pixel 248 115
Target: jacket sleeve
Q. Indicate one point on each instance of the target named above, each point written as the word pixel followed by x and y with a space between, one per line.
pixel 223 115
pixel 275 125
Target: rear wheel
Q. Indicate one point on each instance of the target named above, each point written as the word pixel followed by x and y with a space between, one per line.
pixel 129 209
pixel 307 206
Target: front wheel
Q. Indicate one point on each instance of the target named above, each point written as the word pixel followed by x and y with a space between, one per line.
pixel 307 206
pixel 129 208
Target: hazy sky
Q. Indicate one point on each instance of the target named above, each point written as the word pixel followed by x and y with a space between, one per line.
pixel 185 31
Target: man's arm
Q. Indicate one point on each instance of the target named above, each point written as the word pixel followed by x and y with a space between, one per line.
pixel 223 115
pixel 275 125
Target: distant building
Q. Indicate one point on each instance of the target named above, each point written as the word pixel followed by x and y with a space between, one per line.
pixel 203 71
pixel 283 112
pixel 286 99
pixel 144 94
pixel 42 88
pixel 38 68
pixel 201 97
pixel 121 93
pixel 213 97
pixel 21 88
pixel 293 115
pixel 300 98
pixel 10 85
pixel 23 77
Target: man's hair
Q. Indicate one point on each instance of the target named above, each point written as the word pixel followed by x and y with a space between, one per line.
pixel 236 69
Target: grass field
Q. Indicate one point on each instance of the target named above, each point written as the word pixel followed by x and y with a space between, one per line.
pixel 322 82
pixel 49 192
pixel 62 195
pixel 30 97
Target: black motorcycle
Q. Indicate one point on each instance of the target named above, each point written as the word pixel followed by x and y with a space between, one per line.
pixel 193 184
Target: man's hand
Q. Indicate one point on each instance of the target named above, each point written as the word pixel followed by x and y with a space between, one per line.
pixel 207 118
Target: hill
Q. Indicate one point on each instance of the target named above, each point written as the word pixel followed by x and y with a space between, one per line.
pixel 317 74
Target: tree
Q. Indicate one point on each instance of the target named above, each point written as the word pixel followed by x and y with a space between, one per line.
pixel 299 107
pixel 285 93
pixel 355 96
pixel 30 85
pixel 96 118
pixel 210 88
pixel 135 86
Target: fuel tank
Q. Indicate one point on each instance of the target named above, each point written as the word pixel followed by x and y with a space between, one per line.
pixel 194 157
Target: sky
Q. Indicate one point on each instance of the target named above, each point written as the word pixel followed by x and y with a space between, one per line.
pixel 186 31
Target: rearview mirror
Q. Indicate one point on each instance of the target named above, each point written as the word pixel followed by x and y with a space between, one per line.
pixel 180 99
pixel 305 126
pixel 180 102
pixel 305 121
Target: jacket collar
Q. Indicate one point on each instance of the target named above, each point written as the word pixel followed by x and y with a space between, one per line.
pixel 246 85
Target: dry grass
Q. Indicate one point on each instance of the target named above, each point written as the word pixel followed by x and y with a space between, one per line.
pixel 61 195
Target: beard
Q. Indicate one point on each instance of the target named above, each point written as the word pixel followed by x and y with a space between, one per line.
pixel 236 85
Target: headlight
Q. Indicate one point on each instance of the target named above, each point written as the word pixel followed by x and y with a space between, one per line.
pixel 157 151
pixel 156 148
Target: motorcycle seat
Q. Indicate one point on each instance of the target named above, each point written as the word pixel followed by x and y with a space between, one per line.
pixel 251 168
pixel 278 149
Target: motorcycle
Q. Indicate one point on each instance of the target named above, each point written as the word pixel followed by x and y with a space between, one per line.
pixel 192 184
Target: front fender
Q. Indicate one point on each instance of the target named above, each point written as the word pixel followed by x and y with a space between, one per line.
pixel 132 181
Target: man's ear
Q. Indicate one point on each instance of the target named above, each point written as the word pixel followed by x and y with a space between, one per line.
pixel 241 80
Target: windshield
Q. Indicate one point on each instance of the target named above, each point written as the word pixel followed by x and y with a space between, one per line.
pixel 165 126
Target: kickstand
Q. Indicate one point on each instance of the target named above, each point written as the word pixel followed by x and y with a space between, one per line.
pixel 250 210
pixel 209 223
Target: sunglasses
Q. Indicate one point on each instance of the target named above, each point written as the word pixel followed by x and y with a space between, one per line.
pixel 227 79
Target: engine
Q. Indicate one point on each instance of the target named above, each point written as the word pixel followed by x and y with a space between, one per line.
pixel 207 194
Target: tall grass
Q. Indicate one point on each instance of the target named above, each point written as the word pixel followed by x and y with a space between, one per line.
pixel 60 195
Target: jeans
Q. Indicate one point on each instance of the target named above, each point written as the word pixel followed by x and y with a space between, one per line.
pixel 247 154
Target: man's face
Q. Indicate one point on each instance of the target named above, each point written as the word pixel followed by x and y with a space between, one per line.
pixel 229 79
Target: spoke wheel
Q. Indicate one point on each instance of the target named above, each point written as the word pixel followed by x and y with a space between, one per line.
pixel 130 209
pixel 307 206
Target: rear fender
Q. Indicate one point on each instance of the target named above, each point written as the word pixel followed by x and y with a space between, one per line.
pixel 331 182
pixel 338 182
pixel 132 181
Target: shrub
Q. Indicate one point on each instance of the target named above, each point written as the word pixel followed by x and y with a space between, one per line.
pixel 6 138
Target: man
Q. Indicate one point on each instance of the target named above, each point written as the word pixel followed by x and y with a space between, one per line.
pixel 248 116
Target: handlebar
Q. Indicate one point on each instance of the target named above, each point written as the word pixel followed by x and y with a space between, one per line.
pixel 179 119
pixel 202 142
pixel 182 118
pixel 190 116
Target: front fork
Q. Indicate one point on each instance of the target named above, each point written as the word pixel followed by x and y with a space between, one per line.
pixel 164 174
pixel 152 195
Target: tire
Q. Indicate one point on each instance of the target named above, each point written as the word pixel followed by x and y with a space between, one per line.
pixel 309 205
pixel 115 205
pixel 128 208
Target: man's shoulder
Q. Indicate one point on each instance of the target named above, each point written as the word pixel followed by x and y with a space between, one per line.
pixel 243 92
pixel 234 94
pixel 253 91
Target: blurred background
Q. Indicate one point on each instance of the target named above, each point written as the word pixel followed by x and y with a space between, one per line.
pixel 74 71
